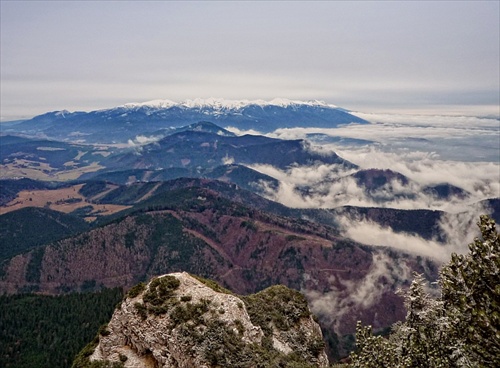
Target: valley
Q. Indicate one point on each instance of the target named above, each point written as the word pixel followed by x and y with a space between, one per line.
pixel 173 191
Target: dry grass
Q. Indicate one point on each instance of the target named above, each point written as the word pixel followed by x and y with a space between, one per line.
pixel 43 171
pixel 63 200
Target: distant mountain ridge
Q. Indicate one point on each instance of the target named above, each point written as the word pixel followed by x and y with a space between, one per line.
pixel 121 123
pixel 221 103
pixel 205 145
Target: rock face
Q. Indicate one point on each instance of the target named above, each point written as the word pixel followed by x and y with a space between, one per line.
pixel 178 320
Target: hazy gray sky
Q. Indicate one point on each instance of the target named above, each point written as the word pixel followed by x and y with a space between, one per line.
pixel 364 56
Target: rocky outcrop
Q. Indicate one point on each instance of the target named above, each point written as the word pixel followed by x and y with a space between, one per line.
pixel 178 320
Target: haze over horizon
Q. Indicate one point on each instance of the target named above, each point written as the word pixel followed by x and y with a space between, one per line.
pixel 394 57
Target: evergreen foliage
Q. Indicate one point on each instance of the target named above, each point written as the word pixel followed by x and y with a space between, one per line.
pixel 471 296
pixel 136 290
pixel 461 329
pixel 10 187
pixel 48 331
pixel 92 188
pixel 158 298
pixel 278 306
pixel 44 226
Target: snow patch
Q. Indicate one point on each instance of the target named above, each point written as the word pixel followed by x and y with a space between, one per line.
pixel 221 104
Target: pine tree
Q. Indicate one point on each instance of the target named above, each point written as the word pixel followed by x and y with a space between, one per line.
pixel 376 351
pixel 461 329
pixel 471 295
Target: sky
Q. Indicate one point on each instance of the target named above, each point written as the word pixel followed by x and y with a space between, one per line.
pixel 422 57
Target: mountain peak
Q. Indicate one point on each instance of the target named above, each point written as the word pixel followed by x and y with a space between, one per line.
pixel 185 321
pixel 122 123
pixel 159 104
pixel 225 104
pixel 207 127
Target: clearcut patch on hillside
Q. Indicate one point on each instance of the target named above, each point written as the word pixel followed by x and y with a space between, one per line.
pixel 64 200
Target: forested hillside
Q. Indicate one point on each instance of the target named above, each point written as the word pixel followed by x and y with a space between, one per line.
pixel 48 331
pixel 199 230
pixel 30 227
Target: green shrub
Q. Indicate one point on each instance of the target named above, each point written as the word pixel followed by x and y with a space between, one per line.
pixel 136 290
pixel 278 306
pixel 141 309
pixel 161 289
pixel 189 312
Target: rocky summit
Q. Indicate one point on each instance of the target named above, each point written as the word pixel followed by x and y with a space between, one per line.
pixel 180 320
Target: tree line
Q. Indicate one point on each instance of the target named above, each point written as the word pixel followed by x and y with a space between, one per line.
pixel 461 328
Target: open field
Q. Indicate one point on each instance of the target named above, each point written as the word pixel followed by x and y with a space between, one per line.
pixel 43 171
pixel 64 200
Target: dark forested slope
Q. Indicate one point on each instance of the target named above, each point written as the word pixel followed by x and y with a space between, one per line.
pixel 48 331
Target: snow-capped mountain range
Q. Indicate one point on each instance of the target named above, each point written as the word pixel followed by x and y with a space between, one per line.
pixel 223 104
pixel 121 123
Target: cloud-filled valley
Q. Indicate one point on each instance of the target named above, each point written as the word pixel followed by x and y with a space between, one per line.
pixel 345 296
pixel 411 145
pixel 426 150
pixel 329 186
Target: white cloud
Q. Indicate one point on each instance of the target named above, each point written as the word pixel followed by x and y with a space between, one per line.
pixel 142 140
pixel 344 297
pixel 330 186
pixel 303 175
pixel 481 179
pixel 227 160
pixel 371 233
pixel 450 121
pixel 413 145
pixel 457 229
pixel 386 132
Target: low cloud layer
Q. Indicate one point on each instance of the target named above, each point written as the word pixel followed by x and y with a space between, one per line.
pixel 142 140
pixel 459 138
pixel 479 178
pixel 460 122
pixel 329 186
pixel 457 231
pixel 240 132
pixel 417 147
pixel 346 296
pixel 387 128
